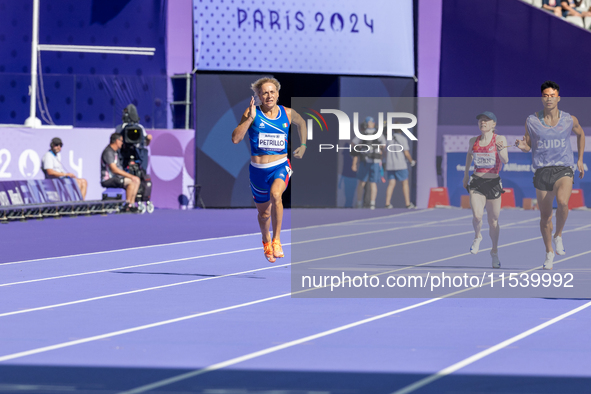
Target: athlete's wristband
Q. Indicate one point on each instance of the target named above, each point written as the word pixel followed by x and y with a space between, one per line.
pixel 304 145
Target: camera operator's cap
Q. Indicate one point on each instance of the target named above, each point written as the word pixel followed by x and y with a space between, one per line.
pixel 488 114
pixel 56 141
pixel 369 119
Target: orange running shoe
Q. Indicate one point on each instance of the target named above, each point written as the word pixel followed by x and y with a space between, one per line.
pixel 277 249
pixel 268 250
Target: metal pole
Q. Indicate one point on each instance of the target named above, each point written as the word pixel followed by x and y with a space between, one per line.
pixel 34 53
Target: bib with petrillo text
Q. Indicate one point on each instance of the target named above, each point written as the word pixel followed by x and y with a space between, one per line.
pixel 269 136
pixel 271 142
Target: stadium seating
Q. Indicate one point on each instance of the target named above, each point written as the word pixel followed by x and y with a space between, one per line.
pixel 576 20
pixel 584 23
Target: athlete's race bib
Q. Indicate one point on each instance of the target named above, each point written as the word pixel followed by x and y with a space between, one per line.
pixel 272 141
pixel 484 160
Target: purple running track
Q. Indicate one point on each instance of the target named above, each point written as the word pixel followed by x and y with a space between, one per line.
pixel 190 278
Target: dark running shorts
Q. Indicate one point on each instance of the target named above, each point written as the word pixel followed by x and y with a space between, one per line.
pixel 115 182
pixel 491 188
pixel 546 177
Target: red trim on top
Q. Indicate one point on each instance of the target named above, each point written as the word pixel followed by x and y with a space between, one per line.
pixel 476 148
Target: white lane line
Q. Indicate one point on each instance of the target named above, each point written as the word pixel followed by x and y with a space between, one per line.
pixel 273 349
pixel 381 231
pixel 138 291
pixel 362 220
pixel 418 241
pixel 234 274
pixel 201 240
pixel 196 257
pixel 133 329
pixel 175 320
pixel 245 250
pixel 240 273
pixel 130 266
pixel 251 249
pixel 500 246
pixel 478 356
pixel 128 249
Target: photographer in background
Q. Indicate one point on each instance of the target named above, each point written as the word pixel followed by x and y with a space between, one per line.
pixel 135 138
pixel 53 168
pixel 367 164
pixel 112 174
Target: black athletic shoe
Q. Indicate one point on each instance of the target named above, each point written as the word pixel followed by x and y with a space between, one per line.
pixel 126 208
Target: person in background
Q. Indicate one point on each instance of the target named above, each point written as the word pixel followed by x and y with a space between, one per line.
pixel 397 168
pixel 112 174
pixel 367 163
pixel 489 151
pixel 53 168
pixel 573 8
pixel 547 136
pixel 552 6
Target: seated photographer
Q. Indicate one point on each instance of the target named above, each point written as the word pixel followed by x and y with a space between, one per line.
pixel 135 138
pixel 112 174
pixel 53 168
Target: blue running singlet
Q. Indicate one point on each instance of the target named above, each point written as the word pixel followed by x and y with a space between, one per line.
pixel 269 136
pixel 550 146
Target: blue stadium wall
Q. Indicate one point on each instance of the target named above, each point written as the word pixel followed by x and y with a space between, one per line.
pixel 85 89
pixel 507 48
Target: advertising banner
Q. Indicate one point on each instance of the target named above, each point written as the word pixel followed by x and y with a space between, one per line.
pixel 517 174
pixel 172 161
pixel 307 36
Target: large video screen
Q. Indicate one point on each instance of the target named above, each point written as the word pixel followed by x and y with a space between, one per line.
pixel 371 37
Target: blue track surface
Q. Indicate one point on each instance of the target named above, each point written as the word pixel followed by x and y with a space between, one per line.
pixel 210 313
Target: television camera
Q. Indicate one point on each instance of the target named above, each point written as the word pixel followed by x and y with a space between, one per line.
pixel 134 155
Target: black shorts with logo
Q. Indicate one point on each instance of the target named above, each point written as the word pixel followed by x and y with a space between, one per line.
pixel 546 177
pixel 115 182
pixel 491 188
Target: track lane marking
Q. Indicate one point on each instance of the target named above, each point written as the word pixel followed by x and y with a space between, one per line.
pixel 245 272
pixel 203 240
pixel 185 258
pixel 273 349
pixel 192 316
pixel 478 356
